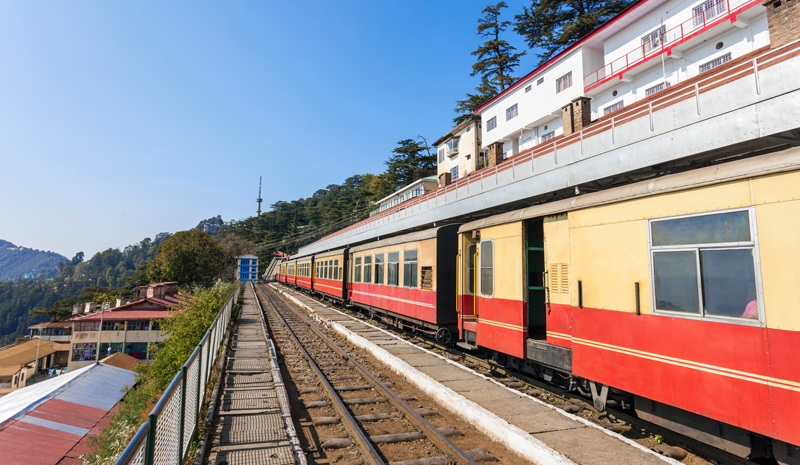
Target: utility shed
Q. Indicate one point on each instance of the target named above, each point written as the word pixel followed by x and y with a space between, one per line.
pixel 50 423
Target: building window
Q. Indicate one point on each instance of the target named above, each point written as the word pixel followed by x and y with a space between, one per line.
pixel 155 326
pixel 452 145
pixel 491 124
pixel 113 326
pixel 470 269
pixel 705 266
pixel 540 81
pixel 110 348
pixel 548 135
pixel 707 11
pixel 487 268
pixel 612 108
pixel 379 269
pixel 528 89
pixel 564 82
pixel 84 352
pixel 511 112
pixel 368 269
pixel 454 173
pixel 393 268
pixel 656 89
pixel 715 62
pixel 137 350
pixel 87 325
pixel 653 40
pixel 441 154
pixel 138 325
pixel 410 268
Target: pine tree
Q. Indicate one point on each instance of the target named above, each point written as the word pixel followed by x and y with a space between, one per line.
pixel 409 156
pixel 551 26
pixel 495 62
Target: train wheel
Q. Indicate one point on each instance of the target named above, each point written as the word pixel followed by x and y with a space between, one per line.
pixel 443 336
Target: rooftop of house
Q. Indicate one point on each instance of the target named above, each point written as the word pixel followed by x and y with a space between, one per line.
pixel 25 352
pixel 121 360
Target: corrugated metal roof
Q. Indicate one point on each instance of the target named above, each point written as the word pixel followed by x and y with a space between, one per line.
pixel 25 352
pixel 48 423
pixel 126 315
pixel 412 237
pixel 330 254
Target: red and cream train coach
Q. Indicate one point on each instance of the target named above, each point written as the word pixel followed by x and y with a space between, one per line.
pixel 409 279
pixel 677 295
pixel 303 272
pixel 330 275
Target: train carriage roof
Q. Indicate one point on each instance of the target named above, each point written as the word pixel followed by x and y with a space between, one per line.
pixel 411 237
pixel 786 160
pixel 330 253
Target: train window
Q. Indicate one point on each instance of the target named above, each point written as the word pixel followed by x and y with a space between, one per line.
pixel 393 269
pixel 329 272
pixel 705 266
pixel 368 269
pixel 357 268
pixel 487 268
pixel 410 268
pixel 379 268
pixel 470 259
pixel 336 270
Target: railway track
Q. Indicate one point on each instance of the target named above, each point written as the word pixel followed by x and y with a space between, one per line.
pixel 341 395
pixel 613 418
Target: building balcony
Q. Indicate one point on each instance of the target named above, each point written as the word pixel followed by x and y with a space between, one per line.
pixel 716 13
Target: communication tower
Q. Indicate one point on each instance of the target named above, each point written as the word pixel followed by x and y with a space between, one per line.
pixel 258 211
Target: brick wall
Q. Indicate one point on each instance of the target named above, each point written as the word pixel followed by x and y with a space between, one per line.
pixel 494 153
pixel 783 17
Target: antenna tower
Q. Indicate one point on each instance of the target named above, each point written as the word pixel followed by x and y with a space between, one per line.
pixel 258 212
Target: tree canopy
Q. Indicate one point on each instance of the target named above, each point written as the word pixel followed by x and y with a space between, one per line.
pixel 408 158
pixel 189 257
pixel 495 63
pixel 551 26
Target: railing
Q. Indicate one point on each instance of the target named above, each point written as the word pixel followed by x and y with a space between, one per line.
pixel 172 426
pixel 398 200
pixel 713 13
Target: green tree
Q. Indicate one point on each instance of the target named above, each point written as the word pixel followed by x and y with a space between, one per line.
pixel 496 61
pixel 234 246
pixel 409 156
pixel 551 26
pixel 189 257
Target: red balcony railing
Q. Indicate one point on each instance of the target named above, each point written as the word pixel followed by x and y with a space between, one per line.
pixel 711 13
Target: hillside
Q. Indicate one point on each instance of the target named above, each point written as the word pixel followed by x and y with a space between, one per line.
pixel 22 262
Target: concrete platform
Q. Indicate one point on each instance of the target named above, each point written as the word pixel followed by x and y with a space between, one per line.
pixel 529 426
pixel 254 424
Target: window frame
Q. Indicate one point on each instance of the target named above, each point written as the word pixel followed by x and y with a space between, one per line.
pixel 357 270
pixel 491 124
pixel 698 248
pixel 479 283
pixel 512 112
pixel 563 79
pixel 389 264
pixel 411 263
pixel 382 266
pixel 366 272
pixel 474 246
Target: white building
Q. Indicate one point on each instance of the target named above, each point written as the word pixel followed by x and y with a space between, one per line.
pixel 650 46
pixel 459 151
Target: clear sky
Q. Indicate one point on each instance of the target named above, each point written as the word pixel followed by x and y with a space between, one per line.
pixel 120 120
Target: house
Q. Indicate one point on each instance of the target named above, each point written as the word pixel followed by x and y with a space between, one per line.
pixel 133 328
pixel 652 45
pixel 415 189
pixel 59 331
pixel 248 268
pixel 459 151
pixel 21 363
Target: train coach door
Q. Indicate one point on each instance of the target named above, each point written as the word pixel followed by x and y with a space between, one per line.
pixel 534 279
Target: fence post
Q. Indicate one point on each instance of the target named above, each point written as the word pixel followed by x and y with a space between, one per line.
pixel 198 401
pixel 183 415
pixel 151 440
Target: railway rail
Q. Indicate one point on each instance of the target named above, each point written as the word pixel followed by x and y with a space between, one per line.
pixel 570 401
pixel 337 382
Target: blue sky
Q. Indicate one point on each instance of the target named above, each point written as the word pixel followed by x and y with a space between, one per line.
pixel 119 120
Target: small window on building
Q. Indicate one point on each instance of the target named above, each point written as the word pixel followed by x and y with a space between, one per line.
pixel 83 352
pixel 138 325
pixel 487 268
pixel 452 145
pixel 454 174
pixel 564 82
pixel 612 108
pixel 427 277
pixel 540 81
pixel 357 269
pixel 528 88
pixel 393 268
pixel 511 112
pixel 707 11
pixel 410 268
pixel 654 39
pixel 379 269
pixel 705 266
pixel 491 124
pixel 548 135
pixel 715 62
pixel 441 154
pixel 656 89
pixel 470 259
pixel 368 269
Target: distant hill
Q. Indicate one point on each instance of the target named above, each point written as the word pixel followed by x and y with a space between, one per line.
pixel 22 262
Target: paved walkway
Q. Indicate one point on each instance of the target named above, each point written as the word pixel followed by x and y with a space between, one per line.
pixel 525 424
pixel 253 426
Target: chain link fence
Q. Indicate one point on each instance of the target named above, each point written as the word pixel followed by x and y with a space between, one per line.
pixel 172 426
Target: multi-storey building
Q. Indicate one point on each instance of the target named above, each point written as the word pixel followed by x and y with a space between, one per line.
pixel 459 151
pixel 248 268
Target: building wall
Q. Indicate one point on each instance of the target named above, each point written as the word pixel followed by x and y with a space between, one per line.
pixel 469 149
pixel 108 336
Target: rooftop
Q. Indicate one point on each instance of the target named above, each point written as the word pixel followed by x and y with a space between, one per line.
pixel 25 352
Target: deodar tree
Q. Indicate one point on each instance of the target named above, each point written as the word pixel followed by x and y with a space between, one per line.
pixel 551 26
pixel 189 257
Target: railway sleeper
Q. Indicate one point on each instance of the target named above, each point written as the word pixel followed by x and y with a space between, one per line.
pixel 340 443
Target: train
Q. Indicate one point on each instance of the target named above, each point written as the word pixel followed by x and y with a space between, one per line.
pixel 672 297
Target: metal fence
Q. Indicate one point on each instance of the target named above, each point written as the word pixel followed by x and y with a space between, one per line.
pixel 171 427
